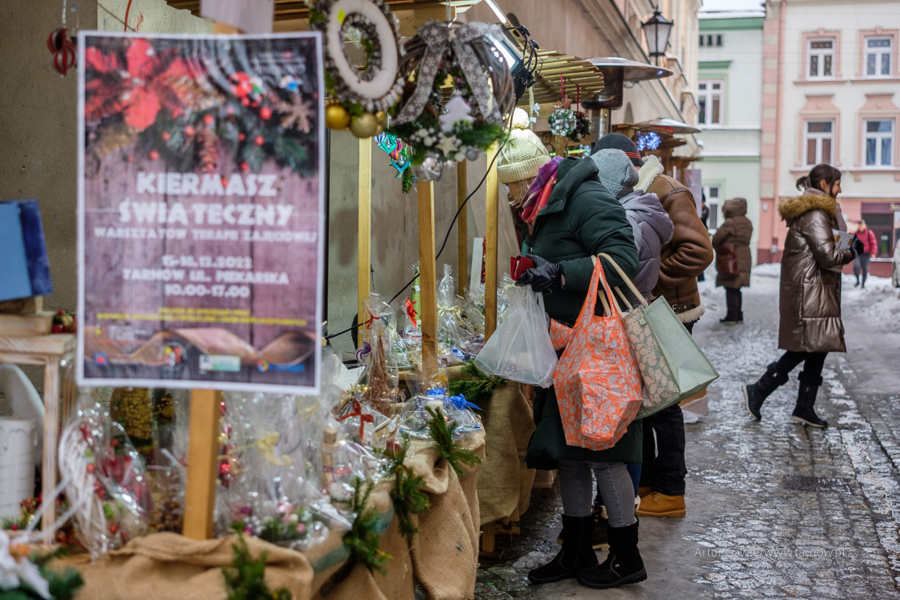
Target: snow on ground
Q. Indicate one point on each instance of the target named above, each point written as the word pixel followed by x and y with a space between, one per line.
pixel 878 301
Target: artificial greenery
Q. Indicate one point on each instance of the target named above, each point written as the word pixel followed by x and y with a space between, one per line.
pixel 363 537
pixel 62 584
pixel 443 433
pixel 245 579
pixel 478 387
pixel 406 493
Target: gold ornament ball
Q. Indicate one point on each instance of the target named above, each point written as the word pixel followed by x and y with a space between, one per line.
pixel 379 129
pixel 336 117
pixel 364 126
pixel 381 117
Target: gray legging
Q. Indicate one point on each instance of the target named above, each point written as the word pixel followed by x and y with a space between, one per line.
pixel 616 488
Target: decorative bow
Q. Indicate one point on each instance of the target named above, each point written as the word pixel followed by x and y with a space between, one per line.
pixel 411 312
pixel 266 446
pixel 449 310
pixel 439 38
pixel 438 391
pixel 364 351
pixel 460 403
pixel 363 418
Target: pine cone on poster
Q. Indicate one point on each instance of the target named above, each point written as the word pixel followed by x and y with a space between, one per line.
pixel 113 137
pixel 208 154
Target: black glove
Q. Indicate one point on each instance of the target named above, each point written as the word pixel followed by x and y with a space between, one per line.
pixel 543 276
pixel 857 246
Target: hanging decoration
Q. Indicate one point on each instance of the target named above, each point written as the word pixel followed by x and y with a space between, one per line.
pixel 63 50
pixel 360 95
pixel 482 94
pixel 400 158
pixel 647 141
pixel 566 121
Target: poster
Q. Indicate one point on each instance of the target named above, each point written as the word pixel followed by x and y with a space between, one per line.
pixel 200 211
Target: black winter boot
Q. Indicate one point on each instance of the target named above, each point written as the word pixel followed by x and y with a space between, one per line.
pixel 576 554
pixel 755 394
pixel 623 565
pixel 806 398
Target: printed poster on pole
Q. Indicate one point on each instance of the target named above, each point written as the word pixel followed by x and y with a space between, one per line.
pixel 200 211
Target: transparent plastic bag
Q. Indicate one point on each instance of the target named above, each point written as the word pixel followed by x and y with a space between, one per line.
pixel 520 350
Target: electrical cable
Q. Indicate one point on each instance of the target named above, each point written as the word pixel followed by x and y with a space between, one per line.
pixel 443 245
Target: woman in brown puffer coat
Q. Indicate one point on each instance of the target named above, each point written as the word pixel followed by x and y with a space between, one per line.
pixel 732 239
pixel 810 300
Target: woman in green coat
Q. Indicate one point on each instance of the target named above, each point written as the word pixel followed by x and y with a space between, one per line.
pixel 582 219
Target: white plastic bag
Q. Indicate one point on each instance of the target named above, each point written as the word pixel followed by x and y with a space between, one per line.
pixel 520 350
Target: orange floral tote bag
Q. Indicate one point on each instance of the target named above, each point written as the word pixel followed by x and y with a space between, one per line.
pixel 597 380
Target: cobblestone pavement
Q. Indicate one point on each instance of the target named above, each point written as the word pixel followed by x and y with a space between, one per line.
pixel 775 510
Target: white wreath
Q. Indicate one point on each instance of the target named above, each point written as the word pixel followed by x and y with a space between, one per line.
pixel 382 90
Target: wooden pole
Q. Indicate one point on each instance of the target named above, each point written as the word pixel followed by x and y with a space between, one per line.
pixel 51 439
pixel 202 468
pixel 364 269
pixel 462 230
pixel 427 280
pixel 203 446
pixel 490 247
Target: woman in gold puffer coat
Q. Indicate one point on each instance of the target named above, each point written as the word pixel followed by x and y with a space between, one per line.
pixel 810 301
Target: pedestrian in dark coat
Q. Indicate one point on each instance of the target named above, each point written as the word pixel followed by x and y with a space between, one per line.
pixel 810 301
pixel 582 219
pixel 732 239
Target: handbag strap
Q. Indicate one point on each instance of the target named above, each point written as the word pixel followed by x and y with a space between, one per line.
pixel 625 278
pixel 624 298
pixel 606 298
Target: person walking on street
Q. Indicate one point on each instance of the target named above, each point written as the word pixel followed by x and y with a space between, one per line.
pixel 682 260
pixel 580 220
pixel 733 261
pixel 870 249
pixel 810 299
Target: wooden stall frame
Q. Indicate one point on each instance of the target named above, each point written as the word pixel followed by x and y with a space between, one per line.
pixel 364 235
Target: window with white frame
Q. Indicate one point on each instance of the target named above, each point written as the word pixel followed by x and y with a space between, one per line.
pixel 709 99
pixel 819 138
pixel 712 193
pixel 821 58
pixel 878 56
pixel 879 142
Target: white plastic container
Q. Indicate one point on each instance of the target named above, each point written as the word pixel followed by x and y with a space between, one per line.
pixel 18 440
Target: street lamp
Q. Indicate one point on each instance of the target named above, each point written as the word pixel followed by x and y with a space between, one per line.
pixel 657 29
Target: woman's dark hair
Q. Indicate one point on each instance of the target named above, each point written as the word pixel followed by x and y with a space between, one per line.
pixel 819 173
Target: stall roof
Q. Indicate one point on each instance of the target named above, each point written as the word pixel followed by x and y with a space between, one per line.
pixel 573 70
pixel 297 9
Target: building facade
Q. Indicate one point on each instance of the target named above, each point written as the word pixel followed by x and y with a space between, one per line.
pixel 729 94
pixel 830 90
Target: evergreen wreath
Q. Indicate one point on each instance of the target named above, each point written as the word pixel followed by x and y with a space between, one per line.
pixel 474 116
pixel 582 127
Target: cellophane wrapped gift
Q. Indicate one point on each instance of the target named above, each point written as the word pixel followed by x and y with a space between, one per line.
pixel 415 417
pixel 166 470
pixel 269 486
pixel 457 339
pixel 378 383
pixel 104 479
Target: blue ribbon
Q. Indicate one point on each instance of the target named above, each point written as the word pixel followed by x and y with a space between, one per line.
pixel 460 403
pixel 438 391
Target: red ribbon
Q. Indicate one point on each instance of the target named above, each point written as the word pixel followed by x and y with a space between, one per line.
pixel 411 312
pixel 372 318
pixel 363 418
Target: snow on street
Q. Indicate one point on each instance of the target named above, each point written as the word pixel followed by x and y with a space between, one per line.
pixel 774 509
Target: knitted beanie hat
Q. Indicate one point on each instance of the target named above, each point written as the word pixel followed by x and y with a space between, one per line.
pixel 616 172
pixel 620 142
pixel 523 154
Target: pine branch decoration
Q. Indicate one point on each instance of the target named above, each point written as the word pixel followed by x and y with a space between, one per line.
pixel 478 388
pixel 363 537
pixel 245 579
pixel 406 494
pixel 442 433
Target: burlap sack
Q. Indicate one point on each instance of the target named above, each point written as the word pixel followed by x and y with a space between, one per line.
pixel 504 482
pixel 445 553
pixel 170 566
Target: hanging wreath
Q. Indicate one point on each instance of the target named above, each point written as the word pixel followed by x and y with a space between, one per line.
pixel 360 95
pixel 482 96
pixel 582 127
pixel 562 122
